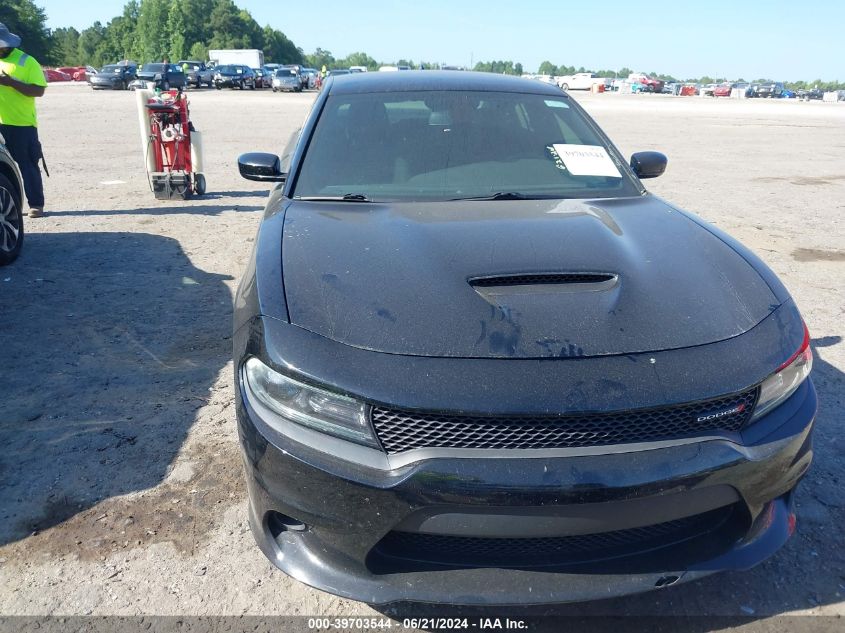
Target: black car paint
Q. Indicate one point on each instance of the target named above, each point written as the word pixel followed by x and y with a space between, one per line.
pixel 394 278
pixel 114 81
pixel 349 497
pixel 226 79
pixel 770 89
pixel 172 77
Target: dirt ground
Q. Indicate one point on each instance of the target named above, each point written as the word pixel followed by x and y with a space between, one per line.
pixel 122 489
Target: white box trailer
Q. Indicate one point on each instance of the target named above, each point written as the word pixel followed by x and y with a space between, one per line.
pixel 251 57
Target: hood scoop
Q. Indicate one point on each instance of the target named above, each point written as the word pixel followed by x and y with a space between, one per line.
pixel 540 283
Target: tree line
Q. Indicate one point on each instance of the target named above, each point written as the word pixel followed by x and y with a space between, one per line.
pixel 149 30
pixel 548 68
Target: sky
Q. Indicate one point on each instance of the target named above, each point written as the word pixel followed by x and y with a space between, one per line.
pixel 747 39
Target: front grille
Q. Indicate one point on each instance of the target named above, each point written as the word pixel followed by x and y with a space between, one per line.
pixel 444 549
pixel 400 430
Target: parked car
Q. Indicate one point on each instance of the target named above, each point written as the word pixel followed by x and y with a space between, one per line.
pixel 234 76
pixel 725 89
pixel 11 207
pixel 51 75
pixel 813 94
pixel 303 78
pixel 773 90
pixel 436 402
pixel 76 73
pixel 311 75
pixel 164 76
pixel 579 81
pixel 707 90
pixel 198 74
pixel 722 90
pixel 286 80
pixel 263 78
pixel 113 77
pixel 651 84
pixel 89 70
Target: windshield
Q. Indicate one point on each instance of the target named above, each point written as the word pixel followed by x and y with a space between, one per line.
pixel 110 69
pixel 285 73
pixel 447 145
pixel 152 68
pixel 230 70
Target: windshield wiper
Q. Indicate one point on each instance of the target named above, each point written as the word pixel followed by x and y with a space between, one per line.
pixel 349 197
pixel 501 195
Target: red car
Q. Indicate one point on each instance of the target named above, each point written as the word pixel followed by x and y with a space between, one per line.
pixel 77 73
pixel 724 90
pixel 51 74
pixel 650 84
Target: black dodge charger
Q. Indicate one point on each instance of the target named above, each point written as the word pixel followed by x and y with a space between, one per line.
pixel 477 362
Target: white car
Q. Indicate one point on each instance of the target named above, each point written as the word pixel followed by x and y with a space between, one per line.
pixel 579 81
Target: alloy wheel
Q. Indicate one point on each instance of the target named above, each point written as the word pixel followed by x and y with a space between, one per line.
pixel 11 224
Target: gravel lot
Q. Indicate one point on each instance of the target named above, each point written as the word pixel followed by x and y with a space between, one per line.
pixel 122 490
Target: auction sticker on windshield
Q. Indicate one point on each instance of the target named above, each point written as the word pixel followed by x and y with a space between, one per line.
pixel 587 160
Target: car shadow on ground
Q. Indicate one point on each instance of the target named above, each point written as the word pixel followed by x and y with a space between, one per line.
pixel 188 209
pixel 110 343
pixel 806 573
pixel 217 195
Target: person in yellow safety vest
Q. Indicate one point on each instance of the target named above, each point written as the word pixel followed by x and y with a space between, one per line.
pixel 323 72
pixel 21 82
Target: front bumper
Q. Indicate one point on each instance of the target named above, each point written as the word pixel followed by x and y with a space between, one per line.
pixel 321 518
pixel 229 83
pixel 105 85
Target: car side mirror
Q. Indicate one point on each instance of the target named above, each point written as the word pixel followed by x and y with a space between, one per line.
pixel 648 164
pixel 261 167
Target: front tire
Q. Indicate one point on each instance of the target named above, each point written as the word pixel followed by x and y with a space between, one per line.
pixel 199 184
pixel 564 87
pixel 11 223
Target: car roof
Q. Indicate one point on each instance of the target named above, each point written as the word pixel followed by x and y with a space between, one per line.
pixel 423 80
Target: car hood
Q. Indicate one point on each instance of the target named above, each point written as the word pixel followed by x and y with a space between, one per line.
pixel 396 278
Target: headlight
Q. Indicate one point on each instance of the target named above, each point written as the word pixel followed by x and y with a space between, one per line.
pixel 309 406
pixel 783 383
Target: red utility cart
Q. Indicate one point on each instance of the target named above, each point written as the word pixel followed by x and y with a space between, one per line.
pixel 170 143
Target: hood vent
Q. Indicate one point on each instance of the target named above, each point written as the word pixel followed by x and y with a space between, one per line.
pixel 542 279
